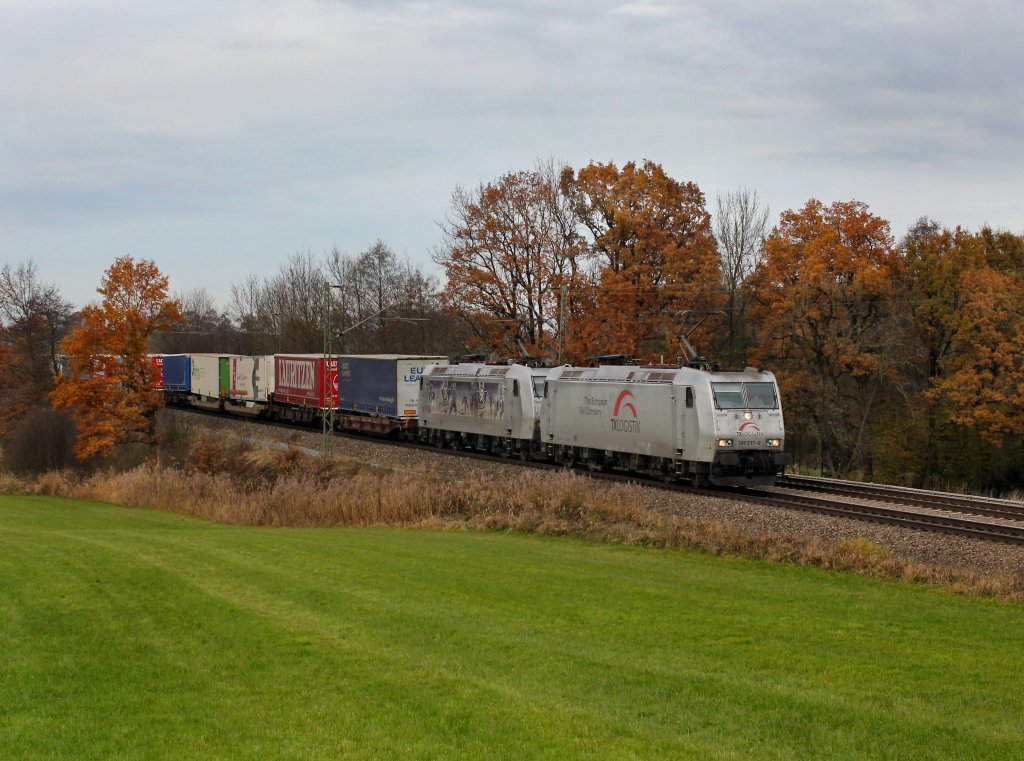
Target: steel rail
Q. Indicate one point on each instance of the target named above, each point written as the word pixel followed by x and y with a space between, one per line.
pixel 959 503
pixel 945 524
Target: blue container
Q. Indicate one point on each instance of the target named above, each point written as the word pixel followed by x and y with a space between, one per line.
pixel 177 372
pixel 386 385
pixel 367 385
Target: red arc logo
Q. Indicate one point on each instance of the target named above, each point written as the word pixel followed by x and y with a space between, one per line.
pixel 620 403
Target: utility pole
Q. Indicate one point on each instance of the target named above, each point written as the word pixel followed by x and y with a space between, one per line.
pixel 328 387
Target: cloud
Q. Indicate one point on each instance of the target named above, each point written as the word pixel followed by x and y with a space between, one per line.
pixel 307 124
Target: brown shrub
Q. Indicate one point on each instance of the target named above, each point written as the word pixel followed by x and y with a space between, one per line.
pixel 42 440
pixel 12 484
pixel 55 483
pixel 239 483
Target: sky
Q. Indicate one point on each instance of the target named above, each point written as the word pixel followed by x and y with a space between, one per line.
pixel 219 138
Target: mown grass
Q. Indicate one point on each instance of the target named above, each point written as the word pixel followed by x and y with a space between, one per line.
pixel 138 634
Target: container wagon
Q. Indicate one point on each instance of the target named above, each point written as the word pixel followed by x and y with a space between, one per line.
pixel 381 392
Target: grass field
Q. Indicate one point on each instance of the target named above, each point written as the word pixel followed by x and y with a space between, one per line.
pixel 135 634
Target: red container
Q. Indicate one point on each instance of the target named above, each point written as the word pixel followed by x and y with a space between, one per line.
pixel 158 370
pixel 299 379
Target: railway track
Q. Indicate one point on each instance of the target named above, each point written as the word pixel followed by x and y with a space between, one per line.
pixel 920 510
pixel 956 503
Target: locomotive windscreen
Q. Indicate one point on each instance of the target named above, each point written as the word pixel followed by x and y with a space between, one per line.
pixel 745 396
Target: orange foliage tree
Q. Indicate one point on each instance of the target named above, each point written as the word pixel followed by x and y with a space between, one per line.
pixel 824 311
pixel 655 256
pixel 509 249
pixel 938 266
pixel 110 390
pixel 984 379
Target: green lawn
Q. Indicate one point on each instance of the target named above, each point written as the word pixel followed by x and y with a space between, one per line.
pixel 134 634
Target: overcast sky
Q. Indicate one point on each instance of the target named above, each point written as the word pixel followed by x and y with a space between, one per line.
pixel 218 138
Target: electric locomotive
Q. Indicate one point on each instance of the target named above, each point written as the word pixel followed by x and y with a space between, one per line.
pixel 718 427
pixel 492 408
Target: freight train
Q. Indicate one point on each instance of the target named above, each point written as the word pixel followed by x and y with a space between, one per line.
pixel 692 423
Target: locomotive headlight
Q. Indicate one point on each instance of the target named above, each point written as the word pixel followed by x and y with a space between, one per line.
pixel 748 415
pixel 774 442
pixel 725 442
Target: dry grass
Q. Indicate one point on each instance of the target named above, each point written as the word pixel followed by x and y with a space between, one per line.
pixel 246 485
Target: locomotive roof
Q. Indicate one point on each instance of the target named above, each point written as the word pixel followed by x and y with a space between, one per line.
pixel 640 374
pixel 388 357
pixel 482 370
pixel 392 356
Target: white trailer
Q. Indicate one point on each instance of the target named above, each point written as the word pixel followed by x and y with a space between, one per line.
pixel 252 379
pixel 209 377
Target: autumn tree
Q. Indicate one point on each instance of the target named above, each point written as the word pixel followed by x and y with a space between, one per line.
pixel 33 320
pixel 655 255
pixel 203 327
pixel 984 379
pixel 937 267
pixel 383 300
pixel 509 249
pixel 824 310
pixel 372 291
pixel 285 309
pixel 110 390
pixel 741 226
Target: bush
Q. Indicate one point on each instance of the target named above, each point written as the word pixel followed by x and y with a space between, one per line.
pixel 42 440
pixel 174 436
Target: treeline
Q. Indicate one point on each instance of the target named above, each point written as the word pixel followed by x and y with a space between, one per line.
pixel 374 301
pixel 900 360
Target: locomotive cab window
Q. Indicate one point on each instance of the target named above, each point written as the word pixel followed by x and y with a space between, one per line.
pixel 745 396
pixel 761 396
pixel 689 397
pixel 728 396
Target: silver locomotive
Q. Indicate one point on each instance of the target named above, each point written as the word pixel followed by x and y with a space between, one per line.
pixel 723 428
pixel 719 427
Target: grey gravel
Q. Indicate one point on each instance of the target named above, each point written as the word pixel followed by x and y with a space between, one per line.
pixel 983 557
